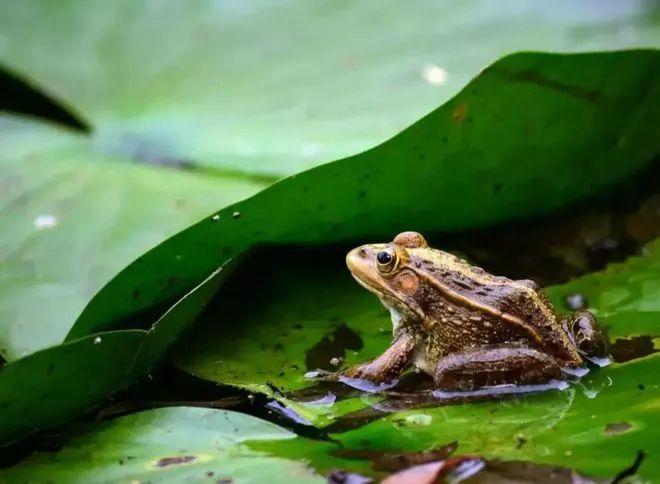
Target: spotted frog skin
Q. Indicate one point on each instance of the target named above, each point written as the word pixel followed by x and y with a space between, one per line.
pixel 463 326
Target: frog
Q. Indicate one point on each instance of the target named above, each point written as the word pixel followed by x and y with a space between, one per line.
pixel 466 328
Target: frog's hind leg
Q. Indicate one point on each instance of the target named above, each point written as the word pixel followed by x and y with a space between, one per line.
pixel 586 334
pixel 495 365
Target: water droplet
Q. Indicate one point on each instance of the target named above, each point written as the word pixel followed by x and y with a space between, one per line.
pixel 588 392
pixel 434 74
pixel 45 221
pixel 236 214
pixel 97 340
pixel 419 419
pixel 576 301
pixel 216 217
pixel 310 149
pixel 310 375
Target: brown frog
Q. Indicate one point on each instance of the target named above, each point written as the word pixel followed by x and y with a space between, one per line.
pixel 463 326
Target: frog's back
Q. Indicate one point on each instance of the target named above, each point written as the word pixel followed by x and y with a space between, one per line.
pixel 491 309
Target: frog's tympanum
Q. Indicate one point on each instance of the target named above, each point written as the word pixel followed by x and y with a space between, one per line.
pixel 463 326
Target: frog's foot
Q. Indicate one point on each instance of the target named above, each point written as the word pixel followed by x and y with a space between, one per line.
pixel 364 372
pixel 495 365
pixel 384 369
pixel 588 337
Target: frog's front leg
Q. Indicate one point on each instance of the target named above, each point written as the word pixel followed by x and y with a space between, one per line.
pixel 495 365
pixel 385 368
pixel 587 336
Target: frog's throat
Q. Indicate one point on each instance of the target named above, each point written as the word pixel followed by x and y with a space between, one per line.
pixel 396 316
pixel 399 311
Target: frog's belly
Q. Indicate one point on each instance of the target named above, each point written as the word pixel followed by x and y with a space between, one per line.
pixel 423 362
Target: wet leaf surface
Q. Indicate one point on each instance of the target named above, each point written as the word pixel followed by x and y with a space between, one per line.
pixel 547 427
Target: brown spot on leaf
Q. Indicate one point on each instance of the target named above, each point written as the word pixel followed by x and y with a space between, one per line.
pixel 460 113
pixel 176 460
pixel 626 349
pixel 617 428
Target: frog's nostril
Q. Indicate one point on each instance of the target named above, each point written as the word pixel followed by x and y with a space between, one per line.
pixel 362 253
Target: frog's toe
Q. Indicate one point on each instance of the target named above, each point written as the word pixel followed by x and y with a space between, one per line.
pixel 321 375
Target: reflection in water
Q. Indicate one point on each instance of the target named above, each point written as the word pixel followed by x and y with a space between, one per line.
pixel 328 399
pixel 503 390
pixel 366 385
pixel 416 391
pixel 287 412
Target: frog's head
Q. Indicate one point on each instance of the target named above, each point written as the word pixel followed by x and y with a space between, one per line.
pixel 386 270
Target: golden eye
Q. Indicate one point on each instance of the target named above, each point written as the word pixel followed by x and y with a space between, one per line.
pixel 386 260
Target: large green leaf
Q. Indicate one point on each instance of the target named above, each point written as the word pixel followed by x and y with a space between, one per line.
pixel 530 134
pixel 51 386
pixel 177 84
pixel 71 218
pixel 169 445
pixel 274 87
pixel 311 311
pixel 155 89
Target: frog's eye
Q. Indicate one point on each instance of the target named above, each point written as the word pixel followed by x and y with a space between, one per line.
pixel 386 260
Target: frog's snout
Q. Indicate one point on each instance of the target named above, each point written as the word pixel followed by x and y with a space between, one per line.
pixel 358 259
